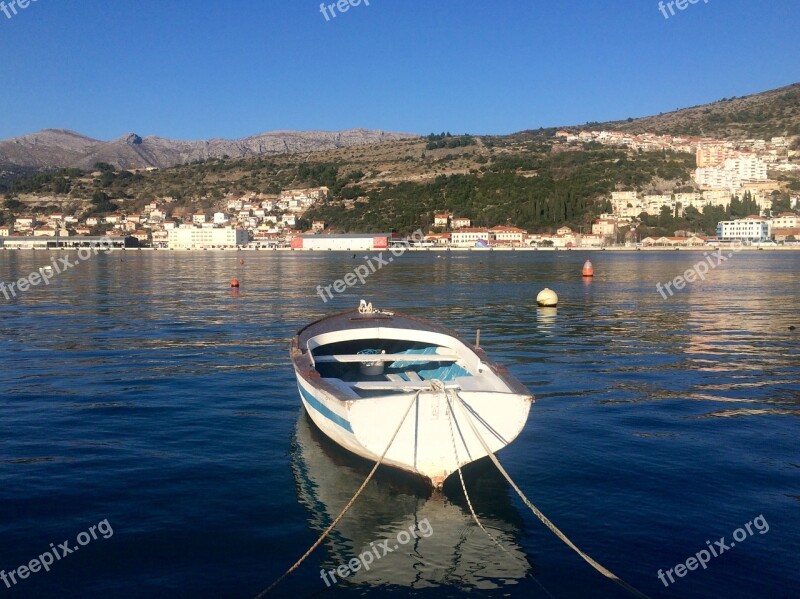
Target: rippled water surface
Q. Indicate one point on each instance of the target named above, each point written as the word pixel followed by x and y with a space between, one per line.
pixel 138 388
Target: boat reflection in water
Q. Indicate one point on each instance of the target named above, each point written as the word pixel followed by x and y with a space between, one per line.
pixel 454 552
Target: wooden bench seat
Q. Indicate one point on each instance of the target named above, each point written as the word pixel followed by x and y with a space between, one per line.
pixel 421 358
pixel 398 385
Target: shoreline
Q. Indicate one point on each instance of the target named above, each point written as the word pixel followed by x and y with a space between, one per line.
pixel 420 250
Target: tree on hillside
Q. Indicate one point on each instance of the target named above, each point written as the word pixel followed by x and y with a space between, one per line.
pixel 781 203
pixel 101 203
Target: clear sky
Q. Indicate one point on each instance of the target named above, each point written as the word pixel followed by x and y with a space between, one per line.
pixel 195 69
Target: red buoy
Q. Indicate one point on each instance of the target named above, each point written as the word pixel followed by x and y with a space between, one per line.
pixel 588 270
pixel 235 283
pixel 241 262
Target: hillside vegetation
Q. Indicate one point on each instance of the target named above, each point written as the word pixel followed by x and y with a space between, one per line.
pixel 524 179
pixel 760 116
pixel 530 179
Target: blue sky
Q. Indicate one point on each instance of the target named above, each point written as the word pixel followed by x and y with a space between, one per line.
pixel 201 69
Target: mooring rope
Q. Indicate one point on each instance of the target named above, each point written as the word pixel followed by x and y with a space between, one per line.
pixel 346 507
pixel 604 571
pixel 450 417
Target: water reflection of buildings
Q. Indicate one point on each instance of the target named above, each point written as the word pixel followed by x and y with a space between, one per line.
pixel 457 552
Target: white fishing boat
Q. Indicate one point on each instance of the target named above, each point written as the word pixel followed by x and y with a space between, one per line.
pixel 359 371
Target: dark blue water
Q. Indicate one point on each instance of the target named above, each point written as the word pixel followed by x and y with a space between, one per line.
pixel 137 389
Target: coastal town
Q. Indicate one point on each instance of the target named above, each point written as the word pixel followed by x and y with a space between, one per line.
pixel 726 171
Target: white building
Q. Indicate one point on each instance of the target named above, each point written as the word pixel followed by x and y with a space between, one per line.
pixel 717 197
pixel 695 200
pixel 748 167
pixel 605 227
pixel 355 242
pixel 469 237
pixel 750 228
pixel 626 204
pixel 785 220
pixel 591 241
pixel 160 239
pixel 653 203
pixel 196 238
pixel 220 218
pixel 720 178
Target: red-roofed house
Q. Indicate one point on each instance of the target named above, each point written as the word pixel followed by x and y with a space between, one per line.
pixel 786 220
pixel 441 219
pixel 438 238
pixel 142 235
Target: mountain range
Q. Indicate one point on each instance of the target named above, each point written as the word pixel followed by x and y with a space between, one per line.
pixel 770 113
pixel 51 148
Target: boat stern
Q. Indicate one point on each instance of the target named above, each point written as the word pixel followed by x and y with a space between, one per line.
pixel 435 438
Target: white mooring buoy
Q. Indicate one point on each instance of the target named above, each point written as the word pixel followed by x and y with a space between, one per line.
pixel 547 298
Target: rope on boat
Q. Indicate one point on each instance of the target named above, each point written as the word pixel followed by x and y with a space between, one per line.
pixel 346 507
pixel 604 571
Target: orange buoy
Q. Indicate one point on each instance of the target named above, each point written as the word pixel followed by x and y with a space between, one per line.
pixel 235 283
pixel 588 269
pixel 241 262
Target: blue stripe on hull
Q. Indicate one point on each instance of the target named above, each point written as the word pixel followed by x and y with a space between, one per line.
pixel 324 410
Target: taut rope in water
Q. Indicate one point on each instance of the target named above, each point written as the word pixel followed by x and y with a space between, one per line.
pixel 450 417
pixel 604 571
pixel 346 508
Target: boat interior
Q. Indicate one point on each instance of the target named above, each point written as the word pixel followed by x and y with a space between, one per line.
pixel 372 367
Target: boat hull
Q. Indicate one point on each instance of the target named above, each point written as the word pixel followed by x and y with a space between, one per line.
pixel 435 438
